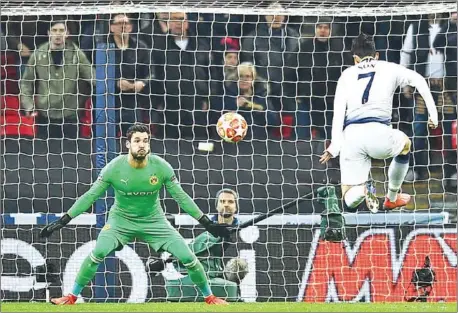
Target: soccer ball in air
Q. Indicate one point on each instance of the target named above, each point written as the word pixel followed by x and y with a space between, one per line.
pixel 232 127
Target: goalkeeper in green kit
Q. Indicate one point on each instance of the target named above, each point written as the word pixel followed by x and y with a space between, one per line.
pixel 137 179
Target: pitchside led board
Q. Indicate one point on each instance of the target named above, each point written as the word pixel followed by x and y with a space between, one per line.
pixel 286 258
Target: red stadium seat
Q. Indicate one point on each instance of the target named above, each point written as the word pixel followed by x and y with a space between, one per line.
pixel 17 125
pixel 8 73
pixel 436 135
pixel 286 129
pixel 9 105
pixel 86 120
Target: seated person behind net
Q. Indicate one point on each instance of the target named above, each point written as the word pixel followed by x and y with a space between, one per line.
pixel 248 97
pixel 51 77
pixel 224 279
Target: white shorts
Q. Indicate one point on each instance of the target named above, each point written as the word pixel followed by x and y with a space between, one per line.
pixel 363 142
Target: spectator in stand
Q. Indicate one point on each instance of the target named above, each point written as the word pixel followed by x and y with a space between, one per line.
pixel 223 75
pixel 419 54
pixel 25 34
pixel 226 72
pixel 322 61
pixel 220 26
pixel 8 66
pixel 88 35
pixel 54 69
pixel 231 59
pixel 134 73
pixel 446 42
pixel 388 37
pixel 273 48
pixel 183 61
pixel 249 96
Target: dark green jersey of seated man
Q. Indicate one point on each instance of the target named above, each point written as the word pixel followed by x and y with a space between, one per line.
pixel 224 279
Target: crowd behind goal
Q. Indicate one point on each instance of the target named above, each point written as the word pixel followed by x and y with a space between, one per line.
pixel 180 71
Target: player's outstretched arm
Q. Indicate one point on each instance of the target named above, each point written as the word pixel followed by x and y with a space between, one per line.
pixel 186 203
pixel 80 206
pixel 412 78
pixel 340 106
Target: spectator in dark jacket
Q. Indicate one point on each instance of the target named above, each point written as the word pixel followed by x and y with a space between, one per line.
pixel 249 97
pixel 273 48
pixel 218 27
pixel 183 66
pixel 225 72
pixel 134 72
pixel 446 42
pixel 25 34
pixel 419 55
pixel 322 61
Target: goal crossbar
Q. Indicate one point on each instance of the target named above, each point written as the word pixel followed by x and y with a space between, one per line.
pixel 300 8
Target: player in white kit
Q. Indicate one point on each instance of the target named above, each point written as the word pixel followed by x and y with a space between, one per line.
pixel 361 126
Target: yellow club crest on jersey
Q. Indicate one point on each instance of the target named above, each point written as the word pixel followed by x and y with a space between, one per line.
pixel 153 180
pixel 106 227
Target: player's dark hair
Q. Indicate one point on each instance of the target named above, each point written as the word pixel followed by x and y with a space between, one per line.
pixel 230 191
pixel 57 21
pixel 137 128
pixel 363 46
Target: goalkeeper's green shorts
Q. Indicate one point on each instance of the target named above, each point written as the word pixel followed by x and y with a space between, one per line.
pixel 158 233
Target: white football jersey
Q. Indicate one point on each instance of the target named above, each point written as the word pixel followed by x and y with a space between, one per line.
pixel 365 94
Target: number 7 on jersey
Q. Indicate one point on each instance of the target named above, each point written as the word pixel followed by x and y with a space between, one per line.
pixel 368 86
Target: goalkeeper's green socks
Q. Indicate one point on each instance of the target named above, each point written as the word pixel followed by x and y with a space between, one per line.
pixel 85 275
pixel 77 288
pixel 198 277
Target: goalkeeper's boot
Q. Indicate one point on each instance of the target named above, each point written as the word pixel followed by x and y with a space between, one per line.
pixel 372 202
pixel 402 199
pixel 65 300
pixel 215 300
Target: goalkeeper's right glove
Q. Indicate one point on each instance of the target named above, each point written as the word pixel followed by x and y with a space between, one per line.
pixel 56 225
pixel 217 230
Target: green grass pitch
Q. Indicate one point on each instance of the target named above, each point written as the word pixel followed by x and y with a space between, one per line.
pixel 235 307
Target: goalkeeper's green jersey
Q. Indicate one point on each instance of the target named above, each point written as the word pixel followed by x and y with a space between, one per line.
pixel 136 189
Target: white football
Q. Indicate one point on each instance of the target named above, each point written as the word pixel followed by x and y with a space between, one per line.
pixel 232 127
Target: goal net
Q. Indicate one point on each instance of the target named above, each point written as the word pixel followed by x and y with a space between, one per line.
pixel 76 75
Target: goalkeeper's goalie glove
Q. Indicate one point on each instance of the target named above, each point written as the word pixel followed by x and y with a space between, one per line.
pixel 56 225
pixel 217 230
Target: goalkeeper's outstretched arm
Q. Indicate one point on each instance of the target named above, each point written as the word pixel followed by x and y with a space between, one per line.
pixel 186 203
pixel 88 198
pixel 81 205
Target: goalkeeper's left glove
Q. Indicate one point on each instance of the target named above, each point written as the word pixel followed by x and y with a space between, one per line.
pixel 56 225
pixel 217 230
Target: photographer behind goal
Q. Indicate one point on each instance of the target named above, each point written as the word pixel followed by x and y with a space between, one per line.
pixel 224 279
